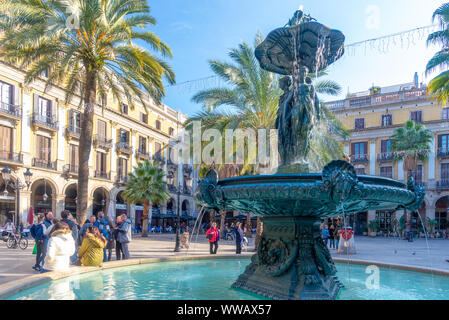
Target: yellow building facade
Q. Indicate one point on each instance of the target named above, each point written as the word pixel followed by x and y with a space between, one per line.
pixel 371 117
pixel 40 132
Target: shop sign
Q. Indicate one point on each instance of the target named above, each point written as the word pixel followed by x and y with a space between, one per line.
pixel 121 206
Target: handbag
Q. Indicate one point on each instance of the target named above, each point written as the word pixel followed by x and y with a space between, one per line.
pixel 35 248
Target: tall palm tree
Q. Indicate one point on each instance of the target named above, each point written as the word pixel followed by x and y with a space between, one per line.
pixel 438 87
pixel 146 185
pixel 89 48
pixel 250 101
pixel 411 143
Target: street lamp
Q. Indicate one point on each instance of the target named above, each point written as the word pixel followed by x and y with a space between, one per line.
pixel 178 236
pixel 16 186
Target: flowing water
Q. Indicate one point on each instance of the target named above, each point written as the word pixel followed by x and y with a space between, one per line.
pixel 212 279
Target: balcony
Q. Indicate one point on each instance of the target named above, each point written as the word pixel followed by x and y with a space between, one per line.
pixel 443 185
pixel 45 121
pixel 142 154
pixel 101 142
pixel 187 190
pixel 70 170
pixel 187 168
pixel 124 147
pixel 122 179
pixel 102 175
pixel 45 164
pixel 10 110
pixel 385 157
pixel 443 153
pixel 158 158
pixel 11 157
pixel 73 132
pixel 172 164
pixel 359 158
pixel 172 188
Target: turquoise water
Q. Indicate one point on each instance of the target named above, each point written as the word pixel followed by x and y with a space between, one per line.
pixel 212 279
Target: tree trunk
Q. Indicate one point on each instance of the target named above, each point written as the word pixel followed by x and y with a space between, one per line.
pixel 211 217
pixel 85 145
pixel 222 220
pixel 258 232
pixel 248 225
pixel 146 213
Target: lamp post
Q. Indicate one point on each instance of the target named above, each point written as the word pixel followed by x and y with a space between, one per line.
pixel 178 236
pixel 16 186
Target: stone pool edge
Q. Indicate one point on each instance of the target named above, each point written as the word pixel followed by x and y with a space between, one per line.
pixel 13 287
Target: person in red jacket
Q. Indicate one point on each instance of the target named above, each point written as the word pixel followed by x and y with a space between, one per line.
pixel 214 236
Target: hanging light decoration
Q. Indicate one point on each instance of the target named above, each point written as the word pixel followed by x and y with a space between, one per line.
pixel 45 197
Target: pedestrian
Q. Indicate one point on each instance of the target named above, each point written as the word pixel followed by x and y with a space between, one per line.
pixel 48 221
pixel 118 247
pixel 91 252
pixel 68 218
pixel 124 235
pixel 61 247
pixel 105 231
pixel 89 223
pixel 214 236
pixel 326 234
pixel 332 236
pixel 337 236
pixel 9 227
pixel 238 238
pixel 37 232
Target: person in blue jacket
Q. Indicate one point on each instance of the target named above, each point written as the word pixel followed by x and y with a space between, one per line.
pixel 105 230
pixel 38 233
pixel 326 234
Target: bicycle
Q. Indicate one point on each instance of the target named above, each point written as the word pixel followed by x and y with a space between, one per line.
pixel 14 241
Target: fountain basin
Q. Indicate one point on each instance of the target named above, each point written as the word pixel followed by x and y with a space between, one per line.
pixel 211 280
pixel 292 262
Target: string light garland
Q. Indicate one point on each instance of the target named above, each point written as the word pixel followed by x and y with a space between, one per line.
pixel 381 45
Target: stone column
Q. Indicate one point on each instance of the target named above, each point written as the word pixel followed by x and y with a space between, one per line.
pixel 401 175
pixel 430 212
pixel 371 215
pixel 90 209
pixel 60 204
pixel 25 203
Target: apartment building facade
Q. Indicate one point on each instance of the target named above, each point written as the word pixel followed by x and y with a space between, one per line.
pixel 40 132
pixel 371 117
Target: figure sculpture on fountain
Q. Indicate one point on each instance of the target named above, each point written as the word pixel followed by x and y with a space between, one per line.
pixel 299 109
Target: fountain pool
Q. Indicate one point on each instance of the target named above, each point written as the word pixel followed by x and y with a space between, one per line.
pixel 211 279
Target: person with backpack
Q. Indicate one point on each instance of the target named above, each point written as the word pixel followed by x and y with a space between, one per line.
pixel 214 236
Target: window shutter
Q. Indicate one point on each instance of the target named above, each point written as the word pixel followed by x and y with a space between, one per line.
pixel 352 148
pixel 365 147
pixel 15 95
pixel 53 109
pixel 440 139
pixel 35 103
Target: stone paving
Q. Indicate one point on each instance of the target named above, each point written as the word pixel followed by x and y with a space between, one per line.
pixel 16 264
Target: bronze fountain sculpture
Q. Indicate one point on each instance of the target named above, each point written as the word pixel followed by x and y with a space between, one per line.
pixel 292 261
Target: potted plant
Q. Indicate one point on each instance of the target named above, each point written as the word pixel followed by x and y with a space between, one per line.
pixel 373 227
pixel 431 224
pixel 365 231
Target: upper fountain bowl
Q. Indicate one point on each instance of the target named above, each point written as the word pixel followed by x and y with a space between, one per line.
pixel 336 191
pixel 309 44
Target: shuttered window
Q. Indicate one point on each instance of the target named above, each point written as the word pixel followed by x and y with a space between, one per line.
pixel 443 142
pixel 386 172
pixel 101 128
pixel 74 155
pixel 123 167
pixel 43 148
pixel 142 144
pixel 385 146
pixel 416 116
pixel 157 149
pixel 6 140
pixel 101 162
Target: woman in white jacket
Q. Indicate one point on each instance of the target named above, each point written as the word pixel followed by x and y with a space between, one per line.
pixel 61 247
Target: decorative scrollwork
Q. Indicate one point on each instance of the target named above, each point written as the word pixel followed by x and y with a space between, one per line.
pixel 339 178
pixel 276 256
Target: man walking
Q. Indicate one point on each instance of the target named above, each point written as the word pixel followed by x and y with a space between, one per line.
pixel 238 238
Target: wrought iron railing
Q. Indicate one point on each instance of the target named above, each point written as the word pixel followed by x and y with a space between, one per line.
pixel 45 164
pixel 70 168
pixel 385 156
pixel 122 179
pixel 124 147
pixel 359 158
pixel 10 109
pixel 73 131
pixel 11 156
pixel 443 184
pixel 48 121
pixel 102 175
pixel 443 153
pixel 101 141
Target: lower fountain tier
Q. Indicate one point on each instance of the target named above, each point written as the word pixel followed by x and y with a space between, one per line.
pixel 291 263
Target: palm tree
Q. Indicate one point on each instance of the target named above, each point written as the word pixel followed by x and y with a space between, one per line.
pixel 438 87
pixel 411 143
pixel 250 101
pixel 146 185
pixel 89 48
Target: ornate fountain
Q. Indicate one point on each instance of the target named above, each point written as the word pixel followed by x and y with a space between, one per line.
pixel 292 261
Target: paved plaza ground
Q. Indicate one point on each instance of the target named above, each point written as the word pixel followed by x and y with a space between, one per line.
pixel 16 264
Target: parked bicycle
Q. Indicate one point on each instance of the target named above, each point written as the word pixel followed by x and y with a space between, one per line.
pixel 14 240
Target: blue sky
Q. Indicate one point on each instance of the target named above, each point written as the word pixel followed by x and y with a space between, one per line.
pixel 199 30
